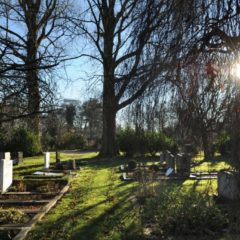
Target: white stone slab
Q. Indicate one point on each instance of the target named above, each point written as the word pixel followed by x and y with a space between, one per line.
pixel 48 173
pixel 6 174
pixel 169 172
pixel 46 159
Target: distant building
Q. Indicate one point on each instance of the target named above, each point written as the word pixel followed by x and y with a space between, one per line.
pixel 73 102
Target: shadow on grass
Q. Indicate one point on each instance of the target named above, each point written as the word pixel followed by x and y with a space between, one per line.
pixel 110 220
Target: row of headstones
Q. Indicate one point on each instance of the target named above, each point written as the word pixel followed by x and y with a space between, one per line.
pixel 179 163
pixel 47 160
pixel 6 168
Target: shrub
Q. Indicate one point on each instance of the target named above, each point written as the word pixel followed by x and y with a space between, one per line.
pixel 127 141
pixel 131 142
pixel 26 141
pixel 72 140
pixel 223 144
pixel 178 213
pixel 155 142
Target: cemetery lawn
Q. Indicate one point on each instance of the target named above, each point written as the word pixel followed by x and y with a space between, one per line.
pixel 98 205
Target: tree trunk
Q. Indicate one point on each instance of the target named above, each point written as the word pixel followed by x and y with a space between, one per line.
pixel 108 148
pixel 32 74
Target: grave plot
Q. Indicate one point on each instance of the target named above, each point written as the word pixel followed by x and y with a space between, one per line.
pixel 25 201
pixel 57 169
pixel 174 167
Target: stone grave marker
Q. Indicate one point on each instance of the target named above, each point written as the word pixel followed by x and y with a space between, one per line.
pixel 46 160
pixel 5 155
pixel 6 173
pixel 162 157
pixel 170 161
pixel 169 172
pixel 183 164
pixel 74 164
pixel 228 185
pixel 20 157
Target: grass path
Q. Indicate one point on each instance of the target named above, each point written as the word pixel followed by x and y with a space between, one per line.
pixel 98 206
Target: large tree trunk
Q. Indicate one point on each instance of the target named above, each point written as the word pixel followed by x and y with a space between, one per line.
pixel 109 99
pixel 108 148
pixel 32 73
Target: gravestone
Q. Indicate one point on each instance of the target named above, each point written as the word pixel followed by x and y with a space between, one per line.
pixel 5 155
pixel 6 174
pixel 162 157
pixel 229 185
pixel 20 157
pixel 74 164
pixel 170 161
pixel 46 160
pixel 183 164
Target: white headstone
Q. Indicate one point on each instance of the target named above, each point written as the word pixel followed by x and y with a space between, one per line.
pixel 46 159
pixel 6 174
pixel 5 155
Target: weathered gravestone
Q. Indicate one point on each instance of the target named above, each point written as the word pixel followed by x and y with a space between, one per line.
pixel 6 173
pixel 74 164
pixel 46 160
pixel 20 157
pixel 229 185
pixel 162 157
pixel 170 161
pixel 183 164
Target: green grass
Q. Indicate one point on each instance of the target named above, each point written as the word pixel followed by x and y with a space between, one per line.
pixel 219 163
pixel 99 205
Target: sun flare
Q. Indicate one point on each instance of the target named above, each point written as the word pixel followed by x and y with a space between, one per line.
pixel 236 70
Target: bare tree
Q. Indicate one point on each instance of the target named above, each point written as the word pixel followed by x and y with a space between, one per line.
pixel 31 40
pixel 128 42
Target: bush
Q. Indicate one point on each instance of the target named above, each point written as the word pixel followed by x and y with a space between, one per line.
pixel 127 141
pixel 178 213
pixel 26 141
pixel 131 142
pixel 72 140
pixel 223 144
pixel 155 142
